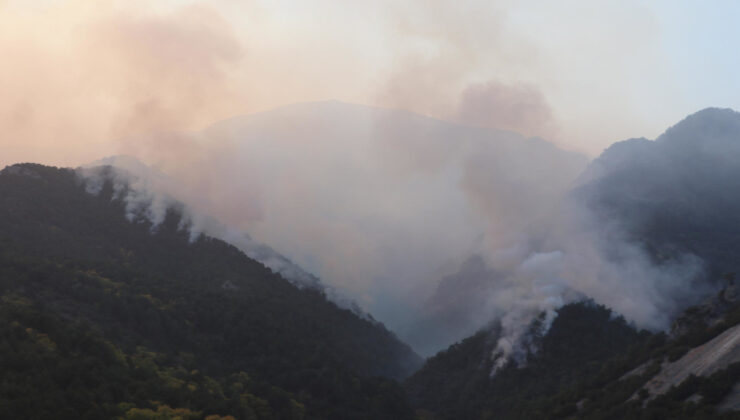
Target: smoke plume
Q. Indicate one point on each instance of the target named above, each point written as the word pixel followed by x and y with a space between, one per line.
pixel 436 221
pixel 393 210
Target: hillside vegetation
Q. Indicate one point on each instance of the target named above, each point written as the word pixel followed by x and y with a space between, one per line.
pixel 102 317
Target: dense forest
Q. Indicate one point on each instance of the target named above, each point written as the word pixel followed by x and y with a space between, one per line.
pixel 102 317
pixel 580 372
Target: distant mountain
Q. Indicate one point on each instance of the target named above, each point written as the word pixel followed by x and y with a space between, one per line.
pixel 104 316
pixel 678 193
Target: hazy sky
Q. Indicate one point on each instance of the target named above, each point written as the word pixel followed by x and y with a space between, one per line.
pixel 77 76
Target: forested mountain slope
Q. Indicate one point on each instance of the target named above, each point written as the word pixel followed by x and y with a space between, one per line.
pixel 102 317
pixel 590 365
pixel 675 196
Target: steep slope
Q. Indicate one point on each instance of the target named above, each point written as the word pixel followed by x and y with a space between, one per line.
pixel 74 259
pixel 589 366
pixel 458 382
pixel 142 180
pixel 679 193
pixel 674 196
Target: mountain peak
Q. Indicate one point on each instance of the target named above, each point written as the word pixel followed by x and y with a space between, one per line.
pixel 711 128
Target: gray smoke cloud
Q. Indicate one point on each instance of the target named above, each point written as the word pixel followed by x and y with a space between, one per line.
pixel 434 228
pixel 587 257
pixel 646 231
pixel 570 256
pixel 379 204
pixel 519 107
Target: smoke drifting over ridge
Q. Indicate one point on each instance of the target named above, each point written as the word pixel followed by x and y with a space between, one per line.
pixel 390 208
pixel 148 195
pixel 381 204
pixel 378 203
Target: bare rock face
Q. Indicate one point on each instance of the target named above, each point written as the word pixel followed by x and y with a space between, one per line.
pixel 703 360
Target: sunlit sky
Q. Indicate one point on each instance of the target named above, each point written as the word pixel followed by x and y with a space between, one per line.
pixel 77 74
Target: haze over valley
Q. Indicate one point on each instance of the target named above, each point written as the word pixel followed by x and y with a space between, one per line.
pixel 428 210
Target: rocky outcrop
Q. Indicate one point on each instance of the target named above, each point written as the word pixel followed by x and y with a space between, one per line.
pixel 703 360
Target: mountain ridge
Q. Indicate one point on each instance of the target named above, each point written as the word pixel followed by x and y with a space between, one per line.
pixel 673 196
pixel 199 305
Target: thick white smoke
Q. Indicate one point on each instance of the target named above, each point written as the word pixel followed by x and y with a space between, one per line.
pixel 586 257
